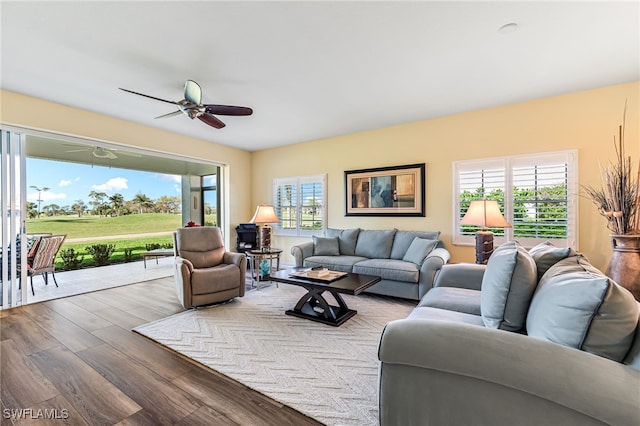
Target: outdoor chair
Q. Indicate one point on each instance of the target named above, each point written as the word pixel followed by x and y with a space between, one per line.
pixel 42 257
pixel 205 272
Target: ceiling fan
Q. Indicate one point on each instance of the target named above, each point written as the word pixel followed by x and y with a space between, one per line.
pixel 193 107
pixel 100 152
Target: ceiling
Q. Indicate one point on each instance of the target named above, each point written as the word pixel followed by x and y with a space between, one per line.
pixel 312 70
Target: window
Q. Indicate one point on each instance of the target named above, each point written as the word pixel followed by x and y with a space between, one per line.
pixel 300 204
pixel 536 193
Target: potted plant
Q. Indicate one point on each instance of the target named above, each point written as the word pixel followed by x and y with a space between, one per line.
pixel 618 200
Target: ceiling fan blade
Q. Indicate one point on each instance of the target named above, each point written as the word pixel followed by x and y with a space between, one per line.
pixel 79 150
pixel 171 114
pixel 211 121
pixel 130 154
pixel 227 110
pixel 147 96
pixel 192 92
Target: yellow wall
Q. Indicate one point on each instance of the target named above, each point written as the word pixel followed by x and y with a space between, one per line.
pixel 585 121
pixel 24 111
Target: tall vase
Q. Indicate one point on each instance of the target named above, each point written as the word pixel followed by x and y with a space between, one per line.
pixel 624 267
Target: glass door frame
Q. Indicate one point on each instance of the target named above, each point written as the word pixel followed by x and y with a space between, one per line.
pixel 13 222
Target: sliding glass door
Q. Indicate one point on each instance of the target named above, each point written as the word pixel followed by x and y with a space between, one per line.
pixel 13 222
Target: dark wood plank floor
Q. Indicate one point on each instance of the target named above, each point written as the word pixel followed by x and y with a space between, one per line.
pixel 78 360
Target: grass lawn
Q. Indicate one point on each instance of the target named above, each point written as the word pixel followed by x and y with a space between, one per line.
pixel 94 226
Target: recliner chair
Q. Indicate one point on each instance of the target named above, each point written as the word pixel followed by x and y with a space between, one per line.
pixel 205 272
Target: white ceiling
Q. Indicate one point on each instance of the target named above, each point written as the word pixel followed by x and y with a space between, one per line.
pixel 312 70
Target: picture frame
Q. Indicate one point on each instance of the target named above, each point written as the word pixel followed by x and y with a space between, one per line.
pixel 386 191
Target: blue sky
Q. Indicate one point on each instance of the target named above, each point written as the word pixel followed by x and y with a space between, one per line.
pixel 68 182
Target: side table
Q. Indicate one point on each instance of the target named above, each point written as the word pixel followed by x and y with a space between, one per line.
pixel 255 257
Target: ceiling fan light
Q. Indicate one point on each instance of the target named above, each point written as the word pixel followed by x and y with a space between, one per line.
pixel 99 152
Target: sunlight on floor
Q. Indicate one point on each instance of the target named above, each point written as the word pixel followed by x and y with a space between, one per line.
pixel 92 279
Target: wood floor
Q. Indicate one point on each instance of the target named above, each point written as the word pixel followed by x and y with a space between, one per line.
pixel 76 361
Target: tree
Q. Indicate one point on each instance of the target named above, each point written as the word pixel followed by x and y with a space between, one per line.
pixel 142 202
pixel 32 210
pixel 168 204
pixel 51 209
pixel 79 207
pixel 117 202
pixel 40 191
pixel 98 201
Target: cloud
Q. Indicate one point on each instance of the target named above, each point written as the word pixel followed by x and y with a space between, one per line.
pixel 114 184
pixel 64 182
pixel 46 196
pixel 170 178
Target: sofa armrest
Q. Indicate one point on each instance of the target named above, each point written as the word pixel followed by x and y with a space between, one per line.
pixel 182 280
pixel 240 260
pixel 506 375
pixel 461 275
pixel 430 268
pixel 301 251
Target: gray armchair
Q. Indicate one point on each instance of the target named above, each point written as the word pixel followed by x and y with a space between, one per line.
pixel 205 272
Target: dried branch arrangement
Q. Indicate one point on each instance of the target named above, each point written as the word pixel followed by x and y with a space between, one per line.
pixel 618 199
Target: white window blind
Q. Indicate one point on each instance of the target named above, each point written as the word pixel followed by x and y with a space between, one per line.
pixel 536 193
pixel 300 204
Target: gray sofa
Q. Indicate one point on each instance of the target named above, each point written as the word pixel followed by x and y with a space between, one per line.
pixel 532 338
pixel 406 261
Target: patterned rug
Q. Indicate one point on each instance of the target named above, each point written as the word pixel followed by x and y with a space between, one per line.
pixel 328 373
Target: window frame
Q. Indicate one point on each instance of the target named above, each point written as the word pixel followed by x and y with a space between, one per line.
pixel 508 164
pixel 298 182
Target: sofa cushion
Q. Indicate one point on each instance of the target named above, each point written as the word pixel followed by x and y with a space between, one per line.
pixel 419 250
pixel 403 239
pixel 389 269
pixel 375 244
pixel 445 315
pixel 507 287
pixel 453 299
pixel 347 239
pixel 211 280
pixel 335 263
pixel 576 305
pixel 546 255
pixel 326 246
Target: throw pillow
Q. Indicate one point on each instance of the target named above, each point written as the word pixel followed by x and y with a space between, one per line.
pixel 325 246
pixel 375 244
pixel 507 287
pixel 419 250
pixel 403 239
pixel 576 305
pixel 347 239
pixel 546 255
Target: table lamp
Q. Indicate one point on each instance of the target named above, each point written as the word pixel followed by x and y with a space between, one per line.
pixel 484 213
pixel 264 215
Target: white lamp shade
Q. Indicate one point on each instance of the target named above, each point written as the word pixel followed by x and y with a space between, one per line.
pixel 485 213
pixel 264 214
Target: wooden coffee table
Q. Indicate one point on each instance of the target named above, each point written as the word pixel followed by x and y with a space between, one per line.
pixel 314 306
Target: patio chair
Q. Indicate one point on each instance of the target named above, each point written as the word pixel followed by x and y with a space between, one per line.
pixel 205 272
pixel 42 258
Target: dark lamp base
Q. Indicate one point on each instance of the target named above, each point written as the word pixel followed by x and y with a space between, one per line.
pixel 484 246
pixel 265 237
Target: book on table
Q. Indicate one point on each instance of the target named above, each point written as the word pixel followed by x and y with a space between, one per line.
pixel 322 274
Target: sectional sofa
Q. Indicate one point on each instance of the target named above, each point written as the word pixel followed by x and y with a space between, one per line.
pixel 406 261
pixel 537 337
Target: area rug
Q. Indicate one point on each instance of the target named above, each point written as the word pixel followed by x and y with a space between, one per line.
pixel 328 373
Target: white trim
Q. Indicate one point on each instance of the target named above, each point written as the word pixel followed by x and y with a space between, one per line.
pixel 508 163
pixel 297 182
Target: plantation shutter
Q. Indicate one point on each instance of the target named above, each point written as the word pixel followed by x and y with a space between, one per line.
pixel 536 193
pixel 300 204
